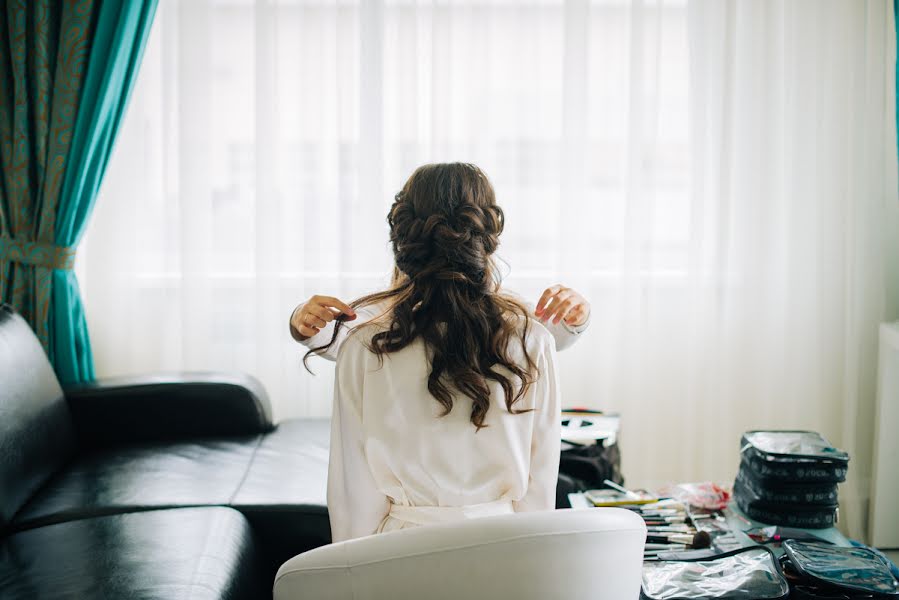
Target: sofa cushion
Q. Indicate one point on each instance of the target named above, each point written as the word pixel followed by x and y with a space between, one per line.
pixel 142 477
pixel 197 553
pixel 278 480
pixel 284 493
pixel 290 466
pixel 36 433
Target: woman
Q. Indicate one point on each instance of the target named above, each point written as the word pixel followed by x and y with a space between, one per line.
pixel 446 401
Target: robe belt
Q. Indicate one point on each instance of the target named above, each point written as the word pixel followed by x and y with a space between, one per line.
pixel 428 515
pixel 38 254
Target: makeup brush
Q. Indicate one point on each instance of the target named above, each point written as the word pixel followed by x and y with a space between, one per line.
pixel 699 540
pixel 662 512
pixel 668 518
pixel 671 528
pixel 652 547
pixel 665 503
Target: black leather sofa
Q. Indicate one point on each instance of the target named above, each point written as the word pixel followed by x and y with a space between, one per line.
pixel 152 488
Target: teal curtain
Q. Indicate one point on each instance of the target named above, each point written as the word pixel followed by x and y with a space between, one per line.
pixel 66 71
pixel 44 51
pixel 118 45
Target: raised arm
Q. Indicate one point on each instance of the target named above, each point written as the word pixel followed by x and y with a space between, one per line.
pixel 312 322
pixel 564 312
pixel 315 314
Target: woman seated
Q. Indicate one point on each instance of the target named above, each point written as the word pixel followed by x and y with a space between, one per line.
pixel 446 400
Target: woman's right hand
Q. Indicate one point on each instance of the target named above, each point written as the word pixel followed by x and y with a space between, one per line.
pixel 313 315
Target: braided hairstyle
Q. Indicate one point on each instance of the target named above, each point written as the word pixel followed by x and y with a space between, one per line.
pixel 444 228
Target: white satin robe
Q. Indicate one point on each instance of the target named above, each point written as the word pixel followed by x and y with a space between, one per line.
pixel 395 462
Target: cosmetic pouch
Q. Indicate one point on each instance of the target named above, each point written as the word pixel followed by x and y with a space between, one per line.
pixel 779 492
pixel 807 516
pixel 793 456
pixel 855 572
pixel 750 573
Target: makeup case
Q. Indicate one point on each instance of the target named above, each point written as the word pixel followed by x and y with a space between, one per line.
pixel 803 515
pixel 751 573
pixel 780 492
pixel 793 457
pixel 819 570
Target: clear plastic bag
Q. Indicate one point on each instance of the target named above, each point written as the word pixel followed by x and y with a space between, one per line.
pixel 808 444
pixel 792 457
pixel 705 494
pixel 747 573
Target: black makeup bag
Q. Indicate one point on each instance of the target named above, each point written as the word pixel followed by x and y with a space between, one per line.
pixel 751 573
pixel 586 465
pixel 779 492
pixel 793 457
pixel 808 516
pixel 818 570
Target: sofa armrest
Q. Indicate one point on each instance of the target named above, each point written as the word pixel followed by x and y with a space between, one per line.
pixel 168 407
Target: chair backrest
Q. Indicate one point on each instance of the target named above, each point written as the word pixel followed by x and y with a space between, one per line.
pixel 36 432
pixel 594 554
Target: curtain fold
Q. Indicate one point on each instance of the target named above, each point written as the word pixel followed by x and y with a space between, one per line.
pixel 44 51
pixel 117 47
pixel 66 70
pixel 795 117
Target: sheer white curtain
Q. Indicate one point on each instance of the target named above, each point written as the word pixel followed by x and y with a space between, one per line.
pixel 718 178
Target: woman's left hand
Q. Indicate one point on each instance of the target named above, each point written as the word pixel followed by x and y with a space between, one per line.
pixel 560 303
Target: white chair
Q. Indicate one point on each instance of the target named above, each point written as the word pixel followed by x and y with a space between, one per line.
pixel 594 554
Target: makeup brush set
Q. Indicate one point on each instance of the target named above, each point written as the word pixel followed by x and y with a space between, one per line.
pixel 669 528
pixel 672 526
pixel 789 478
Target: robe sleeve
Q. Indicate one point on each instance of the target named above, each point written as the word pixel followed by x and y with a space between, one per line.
pixel 546 439
pixel 564 334
pixel 356 506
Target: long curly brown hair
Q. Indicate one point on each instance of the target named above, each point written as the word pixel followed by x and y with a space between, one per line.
pixel 444 228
